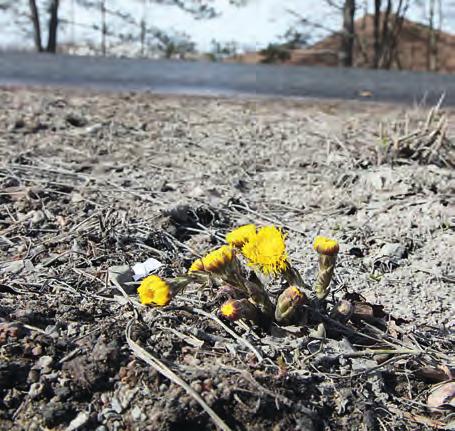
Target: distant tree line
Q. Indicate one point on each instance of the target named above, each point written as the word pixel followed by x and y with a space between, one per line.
pixel 388 19
pixel 40 18
pixel 38 12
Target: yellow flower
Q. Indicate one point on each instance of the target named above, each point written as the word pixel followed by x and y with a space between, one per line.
pixel 215 261
pixel 228 309
pixel 324 245
pixel 154 290
pixel 240 236
pixel 197 265
pixel 235 309
pixel 267 251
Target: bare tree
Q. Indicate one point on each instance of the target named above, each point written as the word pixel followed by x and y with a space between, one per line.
pixel 386 38
pixel 376 32
pixel 348 34
pixel 103 26
pixel 53 26
pixel 34 16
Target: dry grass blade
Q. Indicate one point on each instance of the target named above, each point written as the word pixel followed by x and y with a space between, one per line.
pixel 230 332
pixel 171 375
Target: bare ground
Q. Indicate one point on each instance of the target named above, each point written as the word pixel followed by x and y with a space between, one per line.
pixel 91 180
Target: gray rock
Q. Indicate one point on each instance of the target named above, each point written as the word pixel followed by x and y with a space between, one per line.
pixel 123 275
pixel 36 389
pixel 394 250
pixel 44 364
pixel 136 413
pixel 116 405
pixel 13 267
pixel 79 421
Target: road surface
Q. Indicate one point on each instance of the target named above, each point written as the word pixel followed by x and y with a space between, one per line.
pixel 169 76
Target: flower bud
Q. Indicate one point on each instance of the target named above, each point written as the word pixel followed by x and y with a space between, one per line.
pixel 328 250
pixel 235 309
pixel 216 261
pixel 342 311
pixel 289 305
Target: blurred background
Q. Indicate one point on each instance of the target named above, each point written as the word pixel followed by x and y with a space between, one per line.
pixel 386 34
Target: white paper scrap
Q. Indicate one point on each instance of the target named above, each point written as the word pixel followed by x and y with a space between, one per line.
pixel 142 269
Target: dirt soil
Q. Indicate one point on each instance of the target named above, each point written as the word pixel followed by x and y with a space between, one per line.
pixel 89 181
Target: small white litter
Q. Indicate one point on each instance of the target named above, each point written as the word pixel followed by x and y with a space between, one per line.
pixel 142 269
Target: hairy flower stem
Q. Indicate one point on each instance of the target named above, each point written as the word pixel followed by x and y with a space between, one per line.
pixel 326 268
pixel 293 277
pixel 260 298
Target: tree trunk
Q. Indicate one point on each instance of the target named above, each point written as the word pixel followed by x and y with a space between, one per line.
pixel 34 15
pixel 53 27
pixel 393 36
pixel 377 23
pixel 347 49
pixel 432 48
pixel 103 27
pixel 386 40
pixel 143 25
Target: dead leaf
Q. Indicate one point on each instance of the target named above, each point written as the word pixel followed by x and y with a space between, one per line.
pixel 443 395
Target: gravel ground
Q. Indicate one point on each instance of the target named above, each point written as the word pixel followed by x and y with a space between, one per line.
pixel 93 180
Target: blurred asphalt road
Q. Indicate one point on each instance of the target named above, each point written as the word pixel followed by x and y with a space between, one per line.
pixel 168 76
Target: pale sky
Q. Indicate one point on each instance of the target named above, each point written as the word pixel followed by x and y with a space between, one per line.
pixel 252 26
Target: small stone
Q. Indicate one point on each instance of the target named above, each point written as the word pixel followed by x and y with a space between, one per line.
pixel 63 393
pixel 56 413
pixel 75 120
pixel 44 364
pixel 79 421
pixel 37 350
pixel 33 376
pixel 36 389
pixel 116 405
pixel 394 250
pixel 13 267
pixel 37 218
pixel 136 413
pixel 76 198
pixel 196 385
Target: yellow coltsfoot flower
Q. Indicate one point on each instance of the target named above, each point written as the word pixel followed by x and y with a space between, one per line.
pixel 240 236
pixel 324 245
pixel 235 309
pixel 267 251
pixel 155 290
pixel 216 261
pixel 328 250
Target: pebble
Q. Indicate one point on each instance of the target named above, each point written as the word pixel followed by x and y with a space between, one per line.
pixel 44 364
pixel 37 350
pixel 14 267
pixel 62 392
pixel 196 385
pixel 116 405
pixel 394 250
pixel 136 413
pixel 79 421
pixel 36 389
pixel 33 376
